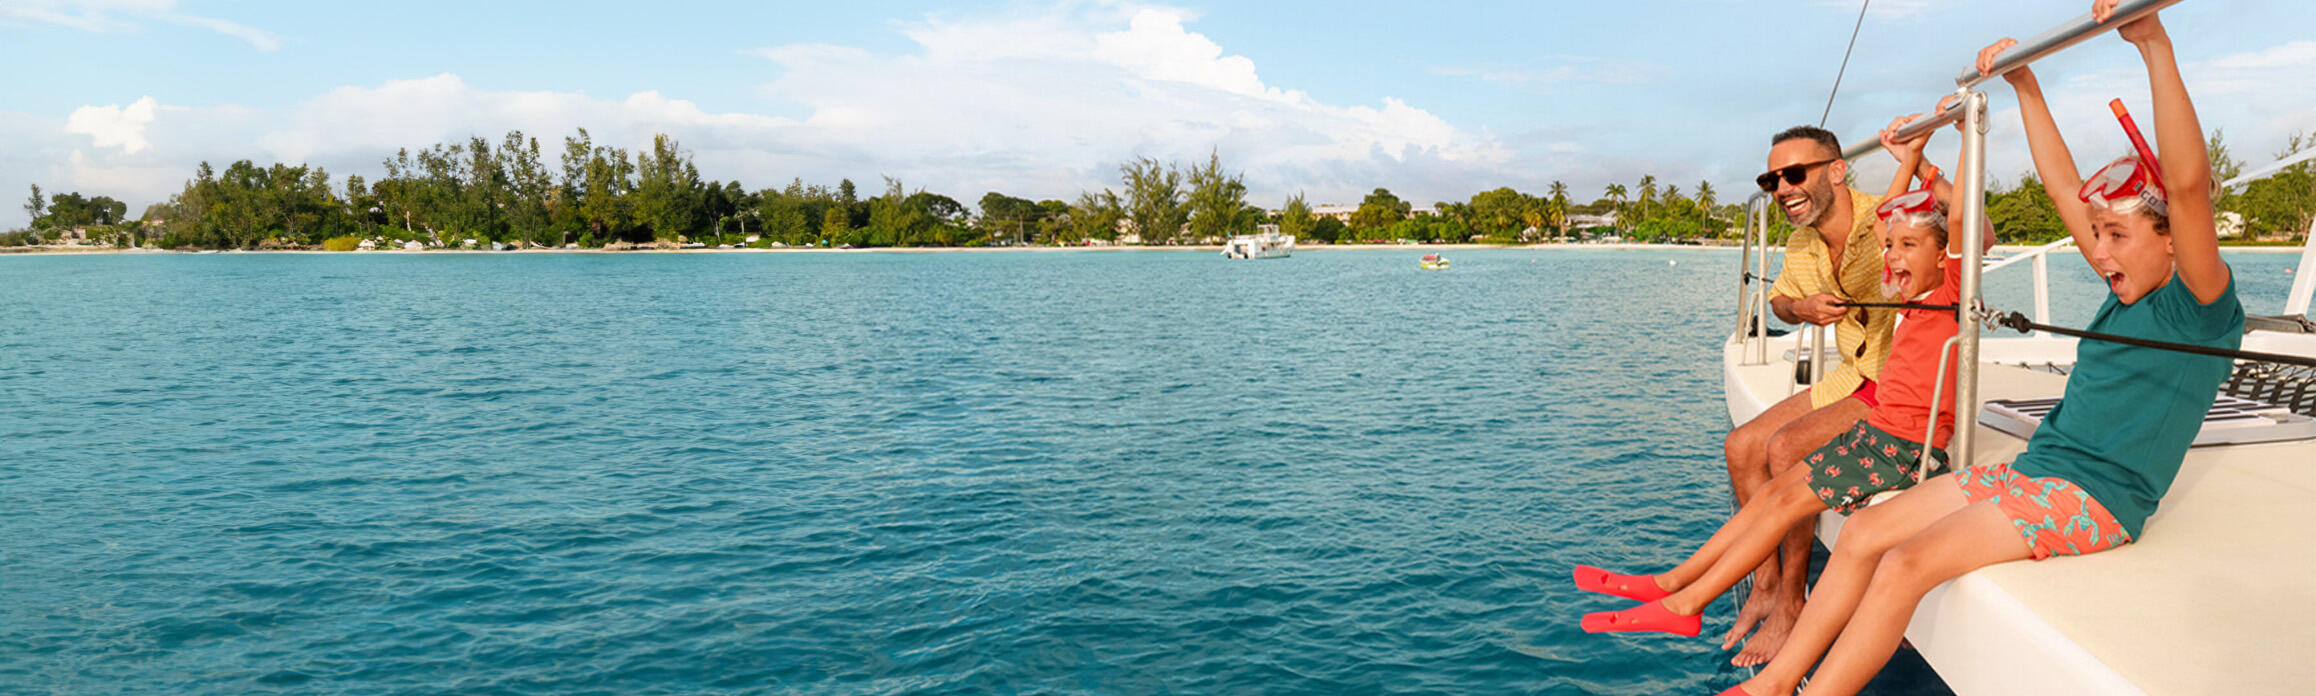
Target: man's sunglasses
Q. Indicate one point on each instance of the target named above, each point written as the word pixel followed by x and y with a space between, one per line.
pixel 1793 175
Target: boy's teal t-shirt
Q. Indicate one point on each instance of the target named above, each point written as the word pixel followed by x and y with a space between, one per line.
pixel 2130 413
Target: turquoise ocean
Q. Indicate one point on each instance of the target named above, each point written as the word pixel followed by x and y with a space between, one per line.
pixel 871 473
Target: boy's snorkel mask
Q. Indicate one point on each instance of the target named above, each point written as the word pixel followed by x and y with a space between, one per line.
pixel 2130 181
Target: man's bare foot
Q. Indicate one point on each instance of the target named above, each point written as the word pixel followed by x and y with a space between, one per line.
pixel 1757 604
pixel 1774 629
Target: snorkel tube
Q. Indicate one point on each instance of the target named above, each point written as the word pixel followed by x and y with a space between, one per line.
pixel 2146 154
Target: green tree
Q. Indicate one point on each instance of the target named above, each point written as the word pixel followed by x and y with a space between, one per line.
pixel 1096 215
pixel 1705 201
pixel 835 226
pixel 1498 213
pixel 1295 218
pixel 1647 197
pixel 1154 200
pixel 34 209
pixel 2284 202
pixel 1616 192
pixel 1556 207
pixel 1216 201
pixel 667 190
pixel 1377 213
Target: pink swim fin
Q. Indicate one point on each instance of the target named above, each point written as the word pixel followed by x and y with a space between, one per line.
pixel 1638 588
pixel 1652 616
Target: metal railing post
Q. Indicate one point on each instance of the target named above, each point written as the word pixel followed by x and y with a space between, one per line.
pixel 1761 299
pixel 2042 290
pixel 1817 353
pixel 1745 274
pixel 1972 220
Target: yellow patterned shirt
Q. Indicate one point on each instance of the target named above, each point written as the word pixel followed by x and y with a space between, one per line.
pixel 1863 346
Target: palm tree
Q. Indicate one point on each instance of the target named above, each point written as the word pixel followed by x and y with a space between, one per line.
pixel 1616 191
pixel 1557 208
pixel 1648 194
pixel 1705 202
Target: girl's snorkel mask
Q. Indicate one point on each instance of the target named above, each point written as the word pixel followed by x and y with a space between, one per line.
pixel 2130 181
pixel 1916 207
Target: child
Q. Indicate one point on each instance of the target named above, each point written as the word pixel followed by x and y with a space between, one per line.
pixel 2107 454
pixel 1880 453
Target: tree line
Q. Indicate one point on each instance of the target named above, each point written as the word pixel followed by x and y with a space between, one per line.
pixel 594 195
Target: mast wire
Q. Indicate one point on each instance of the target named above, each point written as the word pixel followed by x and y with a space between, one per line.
pixel 1837 87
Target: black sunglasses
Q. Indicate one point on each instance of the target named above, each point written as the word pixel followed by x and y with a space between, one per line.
pixel 1792 174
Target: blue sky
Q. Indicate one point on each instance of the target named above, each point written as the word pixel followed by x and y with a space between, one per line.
pixel 1043 100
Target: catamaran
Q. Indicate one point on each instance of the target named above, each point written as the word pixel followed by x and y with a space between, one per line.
pixel 2219 598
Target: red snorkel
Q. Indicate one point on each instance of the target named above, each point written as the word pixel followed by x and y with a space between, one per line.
pixel 2146 154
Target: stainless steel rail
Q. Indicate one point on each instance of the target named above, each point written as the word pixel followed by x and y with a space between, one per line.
pixel 2072 32
pixel 1972 218
pixel 2027 51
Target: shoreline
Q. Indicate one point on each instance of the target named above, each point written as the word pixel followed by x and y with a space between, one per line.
pixel 92 251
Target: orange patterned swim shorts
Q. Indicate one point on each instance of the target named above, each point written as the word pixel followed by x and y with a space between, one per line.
pixel 2057 518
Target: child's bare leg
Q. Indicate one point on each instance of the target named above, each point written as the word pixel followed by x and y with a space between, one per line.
pixel 1759 528
pixel 1758 514
pixel 1772 587
pixel 1976 536
pixel 1864 538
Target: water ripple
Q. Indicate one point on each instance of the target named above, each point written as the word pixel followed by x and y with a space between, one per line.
pixel 875 473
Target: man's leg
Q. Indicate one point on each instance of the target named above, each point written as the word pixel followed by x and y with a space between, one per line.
pixel 1746 452
pixel 1787 447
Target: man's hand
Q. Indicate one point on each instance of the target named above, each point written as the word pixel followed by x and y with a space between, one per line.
pixel 1815 309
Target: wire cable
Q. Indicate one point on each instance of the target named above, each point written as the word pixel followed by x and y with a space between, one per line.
pixel 1837 88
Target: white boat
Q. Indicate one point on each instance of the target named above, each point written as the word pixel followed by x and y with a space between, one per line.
pixel 2219 597
pixel 1260 245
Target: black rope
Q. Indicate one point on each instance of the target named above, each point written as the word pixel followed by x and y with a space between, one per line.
pixel 1837 88
pixel 1898 305
pixel 2018 322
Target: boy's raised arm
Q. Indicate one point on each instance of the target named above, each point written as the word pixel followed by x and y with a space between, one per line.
pixel 2053 163
pixel 2186 166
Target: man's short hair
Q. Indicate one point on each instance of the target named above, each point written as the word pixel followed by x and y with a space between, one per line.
pixel 1822 136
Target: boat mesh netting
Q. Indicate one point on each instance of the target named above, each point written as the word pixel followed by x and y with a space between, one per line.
pixel 2290 386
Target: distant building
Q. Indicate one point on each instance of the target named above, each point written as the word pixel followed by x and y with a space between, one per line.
pixel 1578 221
pixel 1341 213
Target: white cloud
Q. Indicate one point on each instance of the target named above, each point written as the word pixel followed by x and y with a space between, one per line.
pixel 114 126
pixel 106 16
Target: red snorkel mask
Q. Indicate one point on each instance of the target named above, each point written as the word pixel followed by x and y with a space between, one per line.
pixel 1916 207
pixel 2123 186
pixel 2131 180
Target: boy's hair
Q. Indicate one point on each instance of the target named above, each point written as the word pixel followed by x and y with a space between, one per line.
pixel 1822 136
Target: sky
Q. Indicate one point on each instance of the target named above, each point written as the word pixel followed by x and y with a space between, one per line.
pixel 1435 101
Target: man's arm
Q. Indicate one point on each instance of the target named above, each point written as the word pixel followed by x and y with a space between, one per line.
pixel 1814 309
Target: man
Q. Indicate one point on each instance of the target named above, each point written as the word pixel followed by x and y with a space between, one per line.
pixel 1832 257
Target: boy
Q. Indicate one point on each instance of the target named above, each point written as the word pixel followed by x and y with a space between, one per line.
pixel 1882 452
pixel 2096 467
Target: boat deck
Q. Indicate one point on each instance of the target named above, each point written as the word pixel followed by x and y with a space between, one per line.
pixel 2219 597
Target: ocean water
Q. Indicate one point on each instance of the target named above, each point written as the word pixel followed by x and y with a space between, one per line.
pixel 1150 472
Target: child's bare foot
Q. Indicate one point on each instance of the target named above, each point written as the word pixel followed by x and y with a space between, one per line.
pixel 1767 641
pixel 1757 604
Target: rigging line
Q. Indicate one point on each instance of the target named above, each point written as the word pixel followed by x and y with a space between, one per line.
pixel 2018 322
pixel 1899 305
pixel 1837 88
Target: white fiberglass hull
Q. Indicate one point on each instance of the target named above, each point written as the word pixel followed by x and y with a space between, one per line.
pixel 2218 597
